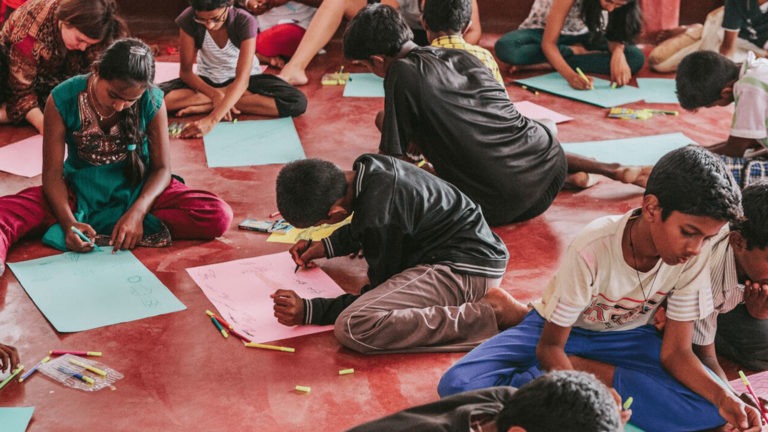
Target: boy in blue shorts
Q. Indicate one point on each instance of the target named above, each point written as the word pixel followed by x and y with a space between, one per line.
pixel 707 79
pixel 594 313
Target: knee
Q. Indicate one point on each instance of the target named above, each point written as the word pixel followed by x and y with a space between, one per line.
pixel 293 105
pixel 219 219
pixel 451 383
pixel 635 59
pixel 342 331
pixel 507 49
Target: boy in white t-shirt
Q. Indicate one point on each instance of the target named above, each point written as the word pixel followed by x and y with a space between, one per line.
pixel 594 313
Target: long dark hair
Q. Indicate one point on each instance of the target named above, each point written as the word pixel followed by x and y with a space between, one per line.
pixel 130 60
pixel 96 19
pixel 624 23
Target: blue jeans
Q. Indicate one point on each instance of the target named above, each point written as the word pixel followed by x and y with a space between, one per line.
pixel 661 403
pixel 523 47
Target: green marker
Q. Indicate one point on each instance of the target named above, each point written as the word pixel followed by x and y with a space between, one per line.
pixel 628 403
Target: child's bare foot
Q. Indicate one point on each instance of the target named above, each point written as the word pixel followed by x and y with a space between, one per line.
pixel 665 34
pixel 532 67
pixel 581 180
pixel 636 175
pixel 293 75
pixel 194 109
pixel 508 311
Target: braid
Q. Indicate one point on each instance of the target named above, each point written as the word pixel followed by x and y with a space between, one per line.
pixel 129 126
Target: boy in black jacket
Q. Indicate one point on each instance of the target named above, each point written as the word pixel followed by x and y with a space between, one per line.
pixel 434 264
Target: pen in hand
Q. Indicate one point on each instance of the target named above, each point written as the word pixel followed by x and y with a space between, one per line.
pixel 309 243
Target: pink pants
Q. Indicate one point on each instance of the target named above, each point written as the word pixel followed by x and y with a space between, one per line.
pixel 280 40
pixel 188 214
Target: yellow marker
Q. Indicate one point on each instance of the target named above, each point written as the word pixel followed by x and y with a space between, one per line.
pixel 209 313
pixel 270 347
pixel 613 85
pixel 12 376
pixel 628 403
pixel 584 77
pixel 346 371
pixel 88 367
pixel 303 389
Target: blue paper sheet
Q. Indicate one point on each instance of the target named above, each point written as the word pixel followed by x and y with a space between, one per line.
pixel 254 142
pixel 81 291
pixel 601 95
pixel 15 419
pixel 658 90
pixel 364 85
pixel 641 151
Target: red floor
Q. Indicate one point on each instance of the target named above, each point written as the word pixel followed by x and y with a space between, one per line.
pixel 181 375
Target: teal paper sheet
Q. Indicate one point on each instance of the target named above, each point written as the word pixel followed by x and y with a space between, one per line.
pixel 15 419
pixel 629 427
pixel 253 142
pixel 658 90
pixel 601 95
pixel 364 85
pixel 82 291
pixel 641 151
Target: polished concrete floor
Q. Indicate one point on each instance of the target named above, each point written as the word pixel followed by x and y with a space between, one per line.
pixel 180 375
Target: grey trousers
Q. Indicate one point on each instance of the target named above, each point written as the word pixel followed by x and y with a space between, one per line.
pixel 427 308
pixel 743 339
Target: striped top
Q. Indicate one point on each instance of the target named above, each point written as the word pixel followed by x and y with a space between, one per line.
pixel 727 292
pixel 485 56
pixel 596 289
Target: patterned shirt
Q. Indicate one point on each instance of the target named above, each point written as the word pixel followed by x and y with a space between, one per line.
pixel 537 18
pixel 727 293
pixel 38 59
pixel 485 56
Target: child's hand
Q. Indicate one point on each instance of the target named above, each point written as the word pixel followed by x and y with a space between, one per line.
pixel 756 299
pixel 289 307
pixel 9 358
pixel 198 128
pixel 576 81
pixel 74 242
pixel 620 71
pixel 624 414
pixel 739 415
pixel 303 253
pixel 127 231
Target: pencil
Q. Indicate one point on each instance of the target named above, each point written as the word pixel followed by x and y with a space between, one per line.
pixel 309 243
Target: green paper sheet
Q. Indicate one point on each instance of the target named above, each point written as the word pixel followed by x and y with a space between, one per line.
pixel 15 419
pixel 81 291
pixel 658 90
pixel 253 142
pixel 364 85
pixel 646 150
pixel 629 427
pixel 601 95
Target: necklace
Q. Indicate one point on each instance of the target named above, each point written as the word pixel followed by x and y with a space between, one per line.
pixel 646 306
pixel 95 103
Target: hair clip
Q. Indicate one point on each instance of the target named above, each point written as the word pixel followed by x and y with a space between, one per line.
pixel 131 147
pixel 138 50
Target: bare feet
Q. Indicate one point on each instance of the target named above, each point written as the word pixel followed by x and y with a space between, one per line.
pixel 665 34
pixel 293 75
pixel 636 175
pixel 532 67
pixel 194 109
pixel 581 180
pixel 508 311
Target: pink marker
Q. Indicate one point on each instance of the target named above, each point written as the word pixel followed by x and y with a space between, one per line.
pixel 80 353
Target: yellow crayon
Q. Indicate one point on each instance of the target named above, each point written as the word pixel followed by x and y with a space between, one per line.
pixel 88 367
pixel 346 371
pixel 303 389
pixel 270 347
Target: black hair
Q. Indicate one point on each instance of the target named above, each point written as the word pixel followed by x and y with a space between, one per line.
pixel 449 16
pixel 754 225
pixel 624 23
pixel 96 19
pixel 129 60
pixel 566 400
pixel 376 30
pixel 209 5
pixel 694 181
pixel 701 78
pixel 306 190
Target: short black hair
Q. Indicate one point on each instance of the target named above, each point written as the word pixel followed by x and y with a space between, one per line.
pixel 306 190
pixel 449 16
pixel 701 78
pixel 376 30
pixel 209 5
pixel 754 225
pixel 566 400
pixel 694 181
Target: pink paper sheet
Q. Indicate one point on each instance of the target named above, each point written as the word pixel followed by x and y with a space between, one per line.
pixel 24 158
pixel 759 383
pixel 240 291
pixel 534 111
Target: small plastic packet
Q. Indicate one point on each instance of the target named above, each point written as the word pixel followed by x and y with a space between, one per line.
pixel 80 373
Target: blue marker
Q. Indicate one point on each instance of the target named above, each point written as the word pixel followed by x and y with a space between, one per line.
pixel 83 378
pixel 82 236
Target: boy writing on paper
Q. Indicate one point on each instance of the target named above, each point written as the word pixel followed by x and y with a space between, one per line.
pixel 446 105
pixel 434 265
pixel 707 79
pixel 595 311
pixel 222 40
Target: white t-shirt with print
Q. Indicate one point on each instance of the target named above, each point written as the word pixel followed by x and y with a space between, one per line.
pixel 596 289
pixel 750 94
pixel 537 18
